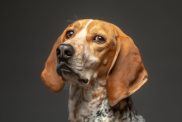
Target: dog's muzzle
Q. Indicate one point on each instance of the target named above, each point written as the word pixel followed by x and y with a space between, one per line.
pixel 64 53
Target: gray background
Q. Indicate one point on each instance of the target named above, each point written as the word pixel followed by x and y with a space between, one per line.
pixel 28 30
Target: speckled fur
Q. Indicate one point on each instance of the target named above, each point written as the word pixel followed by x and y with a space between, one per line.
pixel 90 104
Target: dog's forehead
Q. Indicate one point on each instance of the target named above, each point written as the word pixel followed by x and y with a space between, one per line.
pixel 91 24
pixel 79 23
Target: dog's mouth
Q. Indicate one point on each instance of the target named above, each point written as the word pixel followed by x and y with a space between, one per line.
pixel 66 72
pixel 63 68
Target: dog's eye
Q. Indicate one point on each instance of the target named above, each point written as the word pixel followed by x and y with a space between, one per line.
pixel 69 34
pixel 99 39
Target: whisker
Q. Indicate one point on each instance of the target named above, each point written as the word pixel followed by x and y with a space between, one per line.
pixel 77 62
pixel 77 68
pixel 77 59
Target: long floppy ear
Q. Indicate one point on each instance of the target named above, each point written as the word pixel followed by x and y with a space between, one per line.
pixel 49 75
pixel 127 73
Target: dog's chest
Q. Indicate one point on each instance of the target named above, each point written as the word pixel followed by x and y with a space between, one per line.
pixel 89 106
pixel 92 106
pixel 96 113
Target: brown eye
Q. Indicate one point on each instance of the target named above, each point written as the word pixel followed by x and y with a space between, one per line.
pixel 69 34
pixel 99 39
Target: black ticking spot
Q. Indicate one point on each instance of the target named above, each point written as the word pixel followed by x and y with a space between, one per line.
pixel 107 111
pixel 99 113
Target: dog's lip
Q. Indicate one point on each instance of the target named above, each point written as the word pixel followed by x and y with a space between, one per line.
pixel 83 81
pixel 63 67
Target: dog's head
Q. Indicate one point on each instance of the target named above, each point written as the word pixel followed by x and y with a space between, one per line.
pixel 93 50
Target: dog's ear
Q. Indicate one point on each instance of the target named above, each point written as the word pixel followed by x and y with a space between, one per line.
pixel 49 75
pixel 127 73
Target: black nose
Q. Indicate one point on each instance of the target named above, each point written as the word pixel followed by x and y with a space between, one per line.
pixel 64 52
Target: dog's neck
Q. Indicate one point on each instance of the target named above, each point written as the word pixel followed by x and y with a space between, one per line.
pixel 90 104
pixel 83 101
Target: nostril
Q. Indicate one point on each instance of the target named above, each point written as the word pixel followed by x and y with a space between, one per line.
pixel 58 52
pixel 68 53
pixel 64 52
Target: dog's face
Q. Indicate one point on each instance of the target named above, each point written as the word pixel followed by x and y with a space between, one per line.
pixel 86 51
pixel 89 51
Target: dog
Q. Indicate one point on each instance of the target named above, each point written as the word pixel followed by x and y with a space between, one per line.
pixel 103 68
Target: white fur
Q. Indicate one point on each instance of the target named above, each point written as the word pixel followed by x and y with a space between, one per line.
pixel 81 48
pixel 82 34
pixel 83 107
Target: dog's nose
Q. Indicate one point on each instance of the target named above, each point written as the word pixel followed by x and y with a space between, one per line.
pixel 64 52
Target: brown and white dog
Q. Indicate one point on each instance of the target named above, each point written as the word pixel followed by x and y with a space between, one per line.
pixel 103 67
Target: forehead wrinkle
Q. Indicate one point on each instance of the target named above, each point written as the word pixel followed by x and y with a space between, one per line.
pixel 101 28
pixel 81 27
pixel 83 32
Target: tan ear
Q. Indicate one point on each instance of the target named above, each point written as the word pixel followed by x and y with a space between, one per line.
pixel 49 75
pixel 127 73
